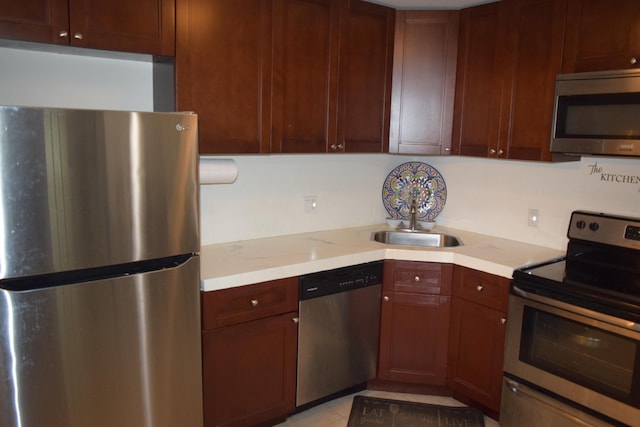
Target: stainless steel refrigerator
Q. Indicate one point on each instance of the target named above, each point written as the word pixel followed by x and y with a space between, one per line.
pixel 99 269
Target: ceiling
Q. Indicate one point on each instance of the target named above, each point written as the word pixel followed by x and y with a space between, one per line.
pixel 430 4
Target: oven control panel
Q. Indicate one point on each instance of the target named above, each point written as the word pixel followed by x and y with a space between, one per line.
pixel 632 232
pixel 603 228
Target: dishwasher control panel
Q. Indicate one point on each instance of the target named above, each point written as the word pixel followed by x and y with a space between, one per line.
pixel 340 280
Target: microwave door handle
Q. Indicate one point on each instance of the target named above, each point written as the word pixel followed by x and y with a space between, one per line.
pixel 626 324
pixel 546 404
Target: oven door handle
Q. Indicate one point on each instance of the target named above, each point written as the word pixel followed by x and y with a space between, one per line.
pixel 626 324
pixel 559 409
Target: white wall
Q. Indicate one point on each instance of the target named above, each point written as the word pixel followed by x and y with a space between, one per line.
pixel 47 79
pixel 487 196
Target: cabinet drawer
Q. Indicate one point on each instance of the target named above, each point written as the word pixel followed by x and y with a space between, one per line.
pixel 482 288
pixel 251 302
pixel 418 277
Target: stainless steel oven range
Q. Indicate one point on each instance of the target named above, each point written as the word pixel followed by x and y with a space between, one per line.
pixel 572 353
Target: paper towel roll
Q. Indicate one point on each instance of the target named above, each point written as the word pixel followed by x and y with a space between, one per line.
pixel 218 171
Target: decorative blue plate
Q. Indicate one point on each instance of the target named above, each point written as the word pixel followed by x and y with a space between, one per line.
pixel 414 181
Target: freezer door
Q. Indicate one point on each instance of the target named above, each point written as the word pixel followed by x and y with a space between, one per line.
pixel 117 352
pixel 82 188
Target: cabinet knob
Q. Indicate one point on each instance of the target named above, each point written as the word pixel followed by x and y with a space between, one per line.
pixel 503 320
pixel 479 288
pixel 295 320
pixel 336 147
pixel 254 302
pixel 500 152
pixel 492 151
pixel 63 34
pixel 385 298
pixel 634 61
pixel 78 36
pixel 447 149
pixel 416 278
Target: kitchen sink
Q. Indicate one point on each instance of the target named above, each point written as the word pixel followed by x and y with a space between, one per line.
pixel 416 238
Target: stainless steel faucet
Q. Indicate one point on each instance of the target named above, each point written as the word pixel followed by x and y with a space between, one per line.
pixel 414 210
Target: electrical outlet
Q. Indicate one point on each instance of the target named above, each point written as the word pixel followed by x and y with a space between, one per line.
pixel 533 217
pixel 310 204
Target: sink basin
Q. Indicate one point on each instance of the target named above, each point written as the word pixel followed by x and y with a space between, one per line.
pixel 416 238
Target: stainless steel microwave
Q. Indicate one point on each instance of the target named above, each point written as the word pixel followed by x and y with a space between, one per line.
pixel 597 113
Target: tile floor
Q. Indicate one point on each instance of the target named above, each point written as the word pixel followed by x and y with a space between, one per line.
pixel 336 412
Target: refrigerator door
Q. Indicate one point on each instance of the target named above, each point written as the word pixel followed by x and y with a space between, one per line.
pixel 81 188
pixel 115 352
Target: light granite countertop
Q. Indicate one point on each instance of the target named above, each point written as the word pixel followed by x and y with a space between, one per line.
pixel 228 265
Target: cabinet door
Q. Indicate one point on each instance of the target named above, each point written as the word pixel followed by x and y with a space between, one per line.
pixel 249 371
pixel 413 338
pixel 142 26
pixel 34 20
pixel 365 78
pixel 602 35
pixel 305 74
pixel 479 80
pixel 475 352
pixel 424 73
pixel 223 63
pixel 534 58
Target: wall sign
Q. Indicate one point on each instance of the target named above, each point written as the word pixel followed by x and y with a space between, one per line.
pixel 610 175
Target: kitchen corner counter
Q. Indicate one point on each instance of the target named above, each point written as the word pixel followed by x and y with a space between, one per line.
pixel 228 265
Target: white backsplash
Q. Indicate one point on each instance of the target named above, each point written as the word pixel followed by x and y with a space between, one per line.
pixel 487 196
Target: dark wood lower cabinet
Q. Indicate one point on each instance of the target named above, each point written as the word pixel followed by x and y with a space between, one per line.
pixel 476 342
pixel 249 350
pixel 414 325
pixel 249 373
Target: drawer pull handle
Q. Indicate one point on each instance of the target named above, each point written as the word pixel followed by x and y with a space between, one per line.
pixel 416 279
pixel 385 298
pixel 295 319
pixel 254 302
pixel 479 288
pixel 503 320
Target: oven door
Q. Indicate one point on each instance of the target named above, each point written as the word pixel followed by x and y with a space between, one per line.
pixel 577 354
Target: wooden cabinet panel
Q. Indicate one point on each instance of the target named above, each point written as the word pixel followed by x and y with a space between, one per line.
pixel 143 26
pixel 419 277
pixel 479 79
pixel 364 91
pixel 249 353
pixel 475 351
pixel 476 343
pixel 413 338
pixel 602 35
pixel 535 47
pixel 34 20
pixel 414 326
pixel 510 54
pixel 245 303
pixel 249 372
pixel 481 288
pixel 424 72
pixel 305 73
pixel 223 72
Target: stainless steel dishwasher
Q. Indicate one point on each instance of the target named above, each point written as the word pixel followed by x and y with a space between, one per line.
pixel 338 332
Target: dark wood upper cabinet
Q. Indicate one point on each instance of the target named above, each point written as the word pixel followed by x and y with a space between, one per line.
pixel 305 75
pixel 223 72
pixel 143 26
pixel 424 73
pixel 479 79
pixel 510 53
pixel 364 83
pixel 285 76
pixel 602 35
pixel 34 20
